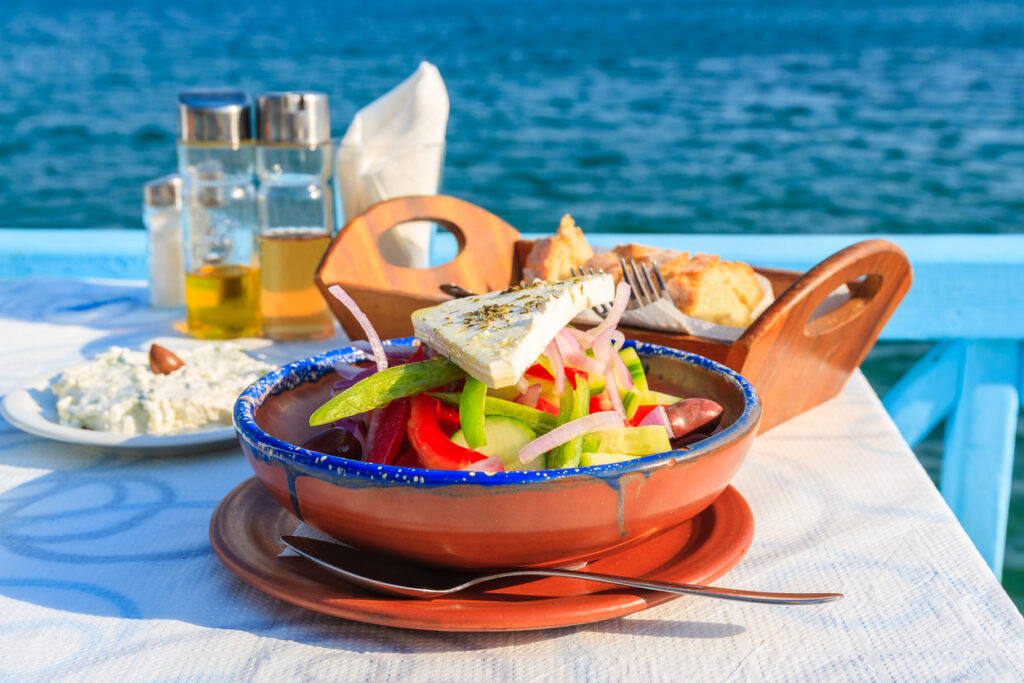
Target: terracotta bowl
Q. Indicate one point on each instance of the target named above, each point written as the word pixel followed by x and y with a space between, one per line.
pixel 476 520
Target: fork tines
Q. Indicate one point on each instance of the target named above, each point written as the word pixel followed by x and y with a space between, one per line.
pixel 647 282
pixel 601 309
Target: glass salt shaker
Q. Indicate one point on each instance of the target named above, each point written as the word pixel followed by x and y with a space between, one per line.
pixel 216 162
pixel 295 205
pixel 161 214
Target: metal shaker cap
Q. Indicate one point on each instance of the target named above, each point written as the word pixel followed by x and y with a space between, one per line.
pixel 163 191
pixel 293 118
pixel 223 116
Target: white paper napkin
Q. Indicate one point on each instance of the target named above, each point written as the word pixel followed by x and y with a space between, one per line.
pixel 394 147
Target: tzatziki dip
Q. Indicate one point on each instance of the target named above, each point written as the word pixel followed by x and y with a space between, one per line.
pixel 118 392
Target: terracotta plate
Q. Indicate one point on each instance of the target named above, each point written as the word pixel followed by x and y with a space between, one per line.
pixel 246 528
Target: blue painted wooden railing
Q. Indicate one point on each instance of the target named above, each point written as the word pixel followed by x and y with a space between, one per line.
pixel 968 295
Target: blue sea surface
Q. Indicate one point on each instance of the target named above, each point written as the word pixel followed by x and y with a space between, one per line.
pixel 734 116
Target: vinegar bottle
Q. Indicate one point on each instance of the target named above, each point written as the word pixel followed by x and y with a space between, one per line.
pixel 296 222
pixel 215 161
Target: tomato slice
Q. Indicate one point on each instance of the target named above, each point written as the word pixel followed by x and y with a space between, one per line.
pixel 641 412
pixel 538 371
pixel 434 450
pixel 600 403
pixel 547 406
pixel 448 419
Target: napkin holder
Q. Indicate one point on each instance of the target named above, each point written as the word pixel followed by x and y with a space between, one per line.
pixel 793 358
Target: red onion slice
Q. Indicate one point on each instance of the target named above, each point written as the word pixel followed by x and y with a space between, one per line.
pixel 615 315
pixel 574 355
pixel 585 363
pixel 530 396
pixel 491 464
pixel 570 430
pixel 613 391
pixel 557 366
pixel 364 322
pixel 567 343
pixel 585 339
pixel 355 429
pixel 658 416
pixel 347 371
pixel 343 384
pixel 604 340
pixel 391 351
pixel 621 371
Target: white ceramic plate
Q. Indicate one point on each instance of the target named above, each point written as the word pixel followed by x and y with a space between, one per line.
pixel 32 408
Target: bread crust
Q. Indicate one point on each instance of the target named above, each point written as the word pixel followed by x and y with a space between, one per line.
pixel 552 258
pixel 703 286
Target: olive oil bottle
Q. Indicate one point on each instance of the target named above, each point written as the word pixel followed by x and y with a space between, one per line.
pixel 216 161
pixel 220 300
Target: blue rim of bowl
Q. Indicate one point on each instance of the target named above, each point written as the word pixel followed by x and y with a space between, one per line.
pixel 315 367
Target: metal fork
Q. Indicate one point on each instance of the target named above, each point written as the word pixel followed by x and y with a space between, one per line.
pixel 646 281
pixel 601 309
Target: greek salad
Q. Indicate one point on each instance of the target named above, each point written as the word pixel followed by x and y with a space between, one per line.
pixel 585 400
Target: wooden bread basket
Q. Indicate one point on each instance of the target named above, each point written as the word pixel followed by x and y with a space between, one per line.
pixel 793 358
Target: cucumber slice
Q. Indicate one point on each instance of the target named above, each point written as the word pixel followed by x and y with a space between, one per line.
pixel 630 403
pixel 636 369
pixel 598 458
pixel 505 437
pixel 597 383
pixel 633 441
pixel 661 399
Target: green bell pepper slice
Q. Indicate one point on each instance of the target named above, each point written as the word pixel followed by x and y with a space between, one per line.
pixel 383 387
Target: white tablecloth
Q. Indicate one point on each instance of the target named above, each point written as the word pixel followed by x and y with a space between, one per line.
pixel 106 572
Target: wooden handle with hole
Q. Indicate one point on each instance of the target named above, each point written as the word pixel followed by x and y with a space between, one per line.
pixel 796 360
pixel 389 293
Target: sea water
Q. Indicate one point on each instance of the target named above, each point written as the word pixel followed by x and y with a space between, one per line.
pixel 901 116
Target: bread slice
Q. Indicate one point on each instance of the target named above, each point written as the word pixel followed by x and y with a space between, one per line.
pixel 552 258
pixel 721 292
pixel 703 286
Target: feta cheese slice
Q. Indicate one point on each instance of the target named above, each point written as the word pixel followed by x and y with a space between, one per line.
pixel 495 337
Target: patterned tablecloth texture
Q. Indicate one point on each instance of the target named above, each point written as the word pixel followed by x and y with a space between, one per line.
pixel 106 572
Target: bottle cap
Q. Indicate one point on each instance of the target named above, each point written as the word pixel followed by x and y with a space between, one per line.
pixel 301 118
pixel 163 191
pixel 223 116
